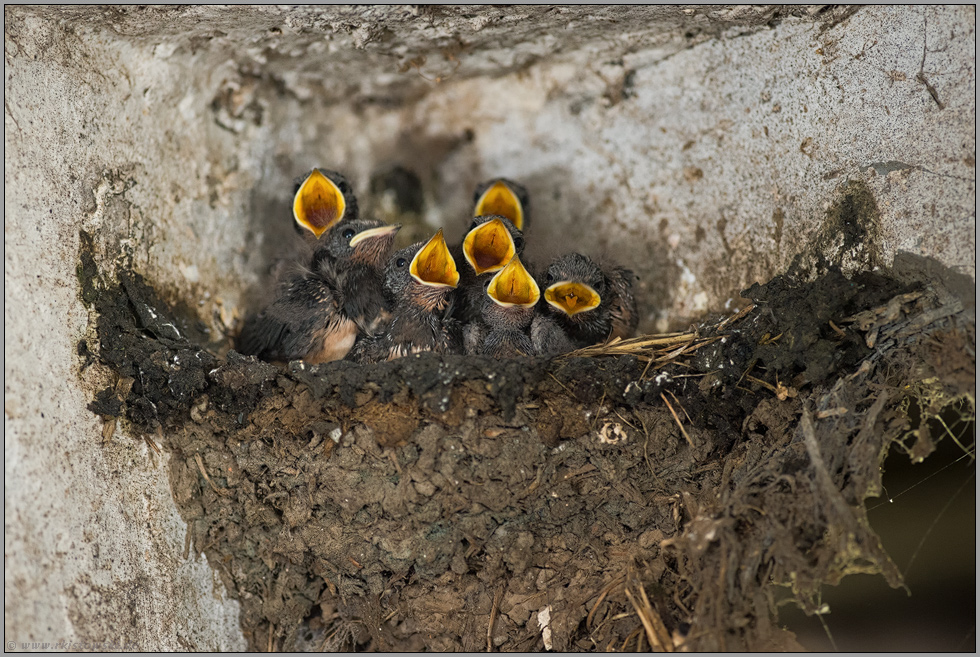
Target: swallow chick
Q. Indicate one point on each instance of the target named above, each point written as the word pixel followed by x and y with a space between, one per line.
pixel 420 282
pixel 622 309
pixel 589 305
pixel 491 242
pixel 508 310
pixel 319 313
pixel 503 197
pixel 322 200
pixel 548 337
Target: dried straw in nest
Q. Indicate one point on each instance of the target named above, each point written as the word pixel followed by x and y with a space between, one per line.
pixel 664 348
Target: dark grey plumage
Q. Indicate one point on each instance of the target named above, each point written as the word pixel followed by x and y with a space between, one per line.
pixel 508 306
pixel 616 314
pixel 319 312
pixel 421 318
pixel 622 308
pixel 587 327
pixel 548 337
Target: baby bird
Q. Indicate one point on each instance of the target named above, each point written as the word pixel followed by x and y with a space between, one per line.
pixel 319 313
pixel 588 305
pixel 503 197
pixel 322 200
pixel 420 281
pixel 622 310
pixel 508 309
pixel 487 248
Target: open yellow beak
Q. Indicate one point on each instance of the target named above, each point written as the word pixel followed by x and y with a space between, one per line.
pixel 500 199
pixel 434 265
pixel 514 286
pixel 319 204
pixel 489 247
pixel 572 297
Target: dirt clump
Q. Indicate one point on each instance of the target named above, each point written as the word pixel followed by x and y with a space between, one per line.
pixel 645 496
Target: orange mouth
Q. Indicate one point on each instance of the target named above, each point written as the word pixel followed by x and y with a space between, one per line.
pixel 514 286
pixel 433 265
pixel 500 199
pixel 572 297
pixel 489 247
pixel 319 204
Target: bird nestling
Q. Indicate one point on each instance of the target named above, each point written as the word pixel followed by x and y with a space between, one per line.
pixel 322 200
pixel 318 313
pixel 420 282
pixel 489 245
pixel 508 309
pixel 503 197
pixel 588 304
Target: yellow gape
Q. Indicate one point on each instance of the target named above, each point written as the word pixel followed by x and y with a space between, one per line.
pixel 488 247
pixel 434 265
pixel 572 297
pixel 514 286
pixel 500 199
pixel 319 204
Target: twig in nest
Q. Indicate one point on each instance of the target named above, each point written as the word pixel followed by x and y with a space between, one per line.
pixel 602 596
pixel 678 420
pixel 632 345
pixel 152 445
pixel 585 469
pixel 646 452
pixel 493 617
pixel 564 387
pixel 638 634
pixel 659 350
pixel 681 405
pixel 644 373
pixel 737 316
pixel 765 384
pixel 204 473
pixel 656 631
pixel 598 411
pixel 768 339
pixel 625 421
pixel 782 392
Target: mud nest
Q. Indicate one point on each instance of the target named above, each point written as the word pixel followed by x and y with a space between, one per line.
pixel 655 493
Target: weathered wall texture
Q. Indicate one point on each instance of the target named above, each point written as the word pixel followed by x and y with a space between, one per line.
pixel 701 146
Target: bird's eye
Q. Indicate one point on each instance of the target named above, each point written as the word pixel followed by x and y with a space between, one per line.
pixel 518 243
pixel 349 233
pixel 551 277
pixel 401 262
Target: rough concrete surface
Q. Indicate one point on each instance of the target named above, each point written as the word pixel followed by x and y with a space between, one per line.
pixel 700 146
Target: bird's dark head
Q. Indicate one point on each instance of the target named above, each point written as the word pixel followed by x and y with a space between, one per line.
pixel 354 243
pixel 368 242
pixel 502 197
pixel 491 242
pixel 575 284
pixel 322 200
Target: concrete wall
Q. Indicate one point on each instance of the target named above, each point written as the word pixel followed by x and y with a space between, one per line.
pixel 700 146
